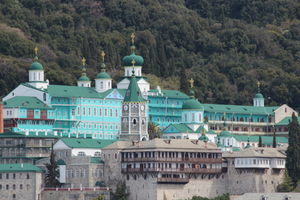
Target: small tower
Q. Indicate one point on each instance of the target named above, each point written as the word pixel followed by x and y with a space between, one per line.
pixel 192 111
pixel 36 73
pixel 258 99
pixel 83 81
pixel 103 80
pixel 134 123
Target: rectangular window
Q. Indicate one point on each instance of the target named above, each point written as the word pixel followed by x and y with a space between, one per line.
pixel 105 112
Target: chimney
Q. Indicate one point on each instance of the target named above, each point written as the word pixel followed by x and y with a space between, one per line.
pixel 1 118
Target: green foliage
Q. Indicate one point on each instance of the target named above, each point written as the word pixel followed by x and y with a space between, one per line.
pixel 226 46
pixel 100 197
pixel 153 131
pixel 287 185
pixel 120 193
pixel 222 197
pixel 260 142
pixel 52 174
pixel 293 151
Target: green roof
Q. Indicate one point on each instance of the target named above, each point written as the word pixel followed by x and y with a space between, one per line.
pixel 103 75
pixel 224 133
pixel 255 138
pixel 285 121
pixel 36 66
pixel 60 162
pixel 239 109
pixel 169 94
pixel 127 60
pixel 184 128
pixel 133 93
pixel 32 87
pixel 22 135
pixel 259 96
pixel 86 143
pixel 84 78
pixel 96 160
pixel 203 138
pixel 192 104
pixel 19 168
pixel 25 102
pixel 73 91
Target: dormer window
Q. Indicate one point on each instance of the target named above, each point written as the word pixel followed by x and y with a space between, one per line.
pixel 81 153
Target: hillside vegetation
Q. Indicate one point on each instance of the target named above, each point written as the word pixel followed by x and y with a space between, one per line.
pixel 226 46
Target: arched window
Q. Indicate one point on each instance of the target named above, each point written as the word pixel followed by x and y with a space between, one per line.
pixel 134 121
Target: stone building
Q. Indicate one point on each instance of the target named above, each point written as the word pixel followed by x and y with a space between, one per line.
pixel 254 170
pixel 20 181
pixel 21 148
pixel 80 163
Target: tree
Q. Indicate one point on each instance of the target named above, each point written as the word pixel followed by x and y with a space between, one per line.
pixel 287 185
pixel 274 145
pixel 153 131
pixel 184 86
pixel 121 192
pixel 100 197
pixel 259 142
pixel 52 174
pixel 293 151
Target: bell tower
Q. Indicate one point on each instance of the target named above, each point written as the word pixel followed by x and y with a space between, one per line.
pixel 134 123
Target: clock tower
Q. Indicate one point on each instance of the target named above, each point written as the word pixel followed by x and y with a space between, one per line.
pixel 134 124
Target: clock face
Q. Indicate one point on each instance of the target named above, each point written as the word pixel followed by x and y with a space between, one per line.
pixel 125 107
pixel 142 108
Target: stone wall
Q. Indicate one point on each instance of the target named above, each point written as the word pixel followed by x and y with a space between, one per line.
pixel 74 194
pixel 21 185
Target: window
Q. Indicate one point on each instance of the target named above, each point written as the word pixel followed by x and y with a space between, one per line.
pixel 7 187
pixel 14 187
pixel 14 176
pixel 105 112
pixel 44 97
pixel 27 176
pixel 97 154
pixel 81 153
pixel 14 196
pixel 7 176
pixel 101 85
pixel 21 187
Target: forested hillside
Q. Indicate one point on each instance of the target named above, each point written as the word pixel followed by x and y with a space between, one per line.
pixel 226 46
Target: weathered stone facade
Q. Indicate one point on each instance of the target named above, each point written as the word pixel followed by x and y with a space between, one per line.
pixel 20 185
pixel 69 194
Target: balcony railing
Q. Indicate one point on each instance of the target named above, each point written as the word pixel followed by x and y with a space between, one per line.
pixel 172 170
pixel 173 180
pixel 196 160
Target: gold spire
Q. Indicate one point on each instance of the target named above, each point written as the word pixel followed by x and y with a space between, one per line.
pixel 36 51
pixel 102 55
pixel 133 62
pixel 258 86
pixel 191 82
pixel 132 38
pixel 83 61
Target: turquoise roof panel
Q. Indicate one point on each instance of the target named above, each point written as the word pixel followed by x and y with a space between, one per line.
pixel 86 143
pixel 192 104
pixel 73 91
pixel 133 93
pixel 36 66
pixel 285 121
pixel 25 102
pixel 19 168
pixel 169 94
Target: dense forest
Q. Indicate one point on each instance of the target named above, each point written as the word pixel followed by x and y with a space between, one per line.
pixel 225 46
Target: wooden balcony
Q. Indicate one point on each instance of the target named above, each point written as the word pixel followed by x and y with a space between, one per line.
pixel 173 170
pixel 173 180
pixel 190 160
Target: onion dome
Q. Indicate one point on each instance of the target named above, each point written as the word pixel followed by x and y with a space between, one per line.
pixel 203 138
pixel 192 104
pixel 103 74
pixel 127 60
pixel 259 96
pixel 84 78
pixel 225 133
pixel 36 65
pixel 139 60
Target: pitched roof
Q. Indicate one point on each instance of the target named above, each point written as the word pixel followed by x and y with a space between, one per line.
pixel 168 93
pixel 173 144
pixel 265 139
pixel 118 145
pixel 25 102
pixel 255 152
pixel 73 91
pixel 239 109
pixel 285 121
pixel 184 128
pixel 133 93
pixel 86 143
pixel 22 135
pixel 19 168
pixel 96 160
pixel 32 87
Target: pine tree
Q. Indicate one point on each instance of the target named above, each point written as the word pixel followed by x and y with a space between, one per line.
pixel 184 86
pixel 287 185
pixel 52 174
pixel 259 142
pixel 293 151
pixel 274 141
pixel 121 192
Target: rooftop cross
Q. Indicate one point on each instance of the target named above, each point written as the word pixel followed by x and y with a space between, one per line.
pixel 191 82
pixel 258 86
pixel 132 42
pixel 83 60
pixel 36 53
pixel 102 55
